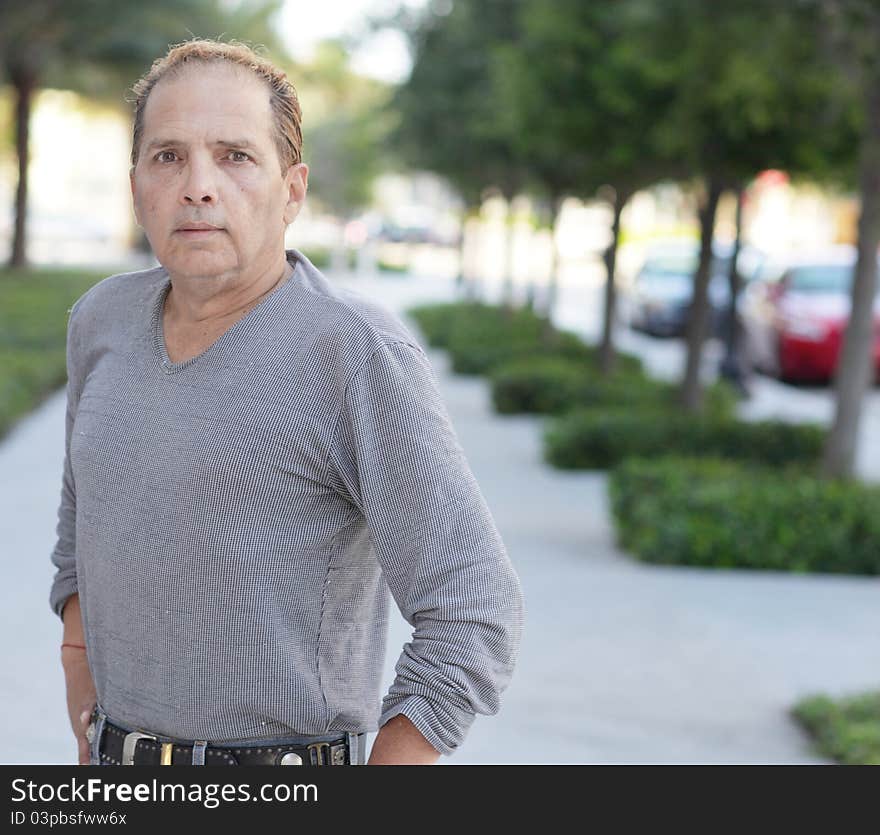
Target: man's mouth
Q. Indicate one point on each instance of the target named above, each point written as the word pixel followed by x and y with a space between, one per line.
pixel 198 229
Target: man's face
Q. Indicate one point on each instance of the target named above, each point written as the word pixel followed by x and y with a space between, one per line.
pixel 208 156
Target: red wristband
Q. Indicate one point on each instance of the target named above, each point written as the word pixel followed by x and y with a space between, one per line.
pixel 75 646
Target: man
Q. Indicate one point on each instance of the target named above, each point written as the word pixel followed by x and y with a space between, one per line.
pixel 254 459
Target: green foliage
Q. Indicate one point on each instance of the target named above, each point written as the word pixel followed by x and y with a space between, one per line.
pixel 593 439
pixel 33 336
pixel 449 115
pixel 547 385
pixel 675 89
pixel 481 337
pixel 100 47
pixel 348 136
pixel 389 267
pixel 847 729
pixel 435 320
pixel 748 83
pixel 553 385
pixel 573 52
pixel 478 346
pixel 319 256
pixel 727 514
pixel 26 378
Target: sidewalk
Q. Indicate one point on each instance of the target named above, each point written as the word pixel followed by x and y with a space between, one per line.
pixel 620 662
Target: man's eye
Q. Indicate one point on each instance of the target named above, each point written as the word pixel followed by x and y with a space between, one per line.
pixel 239 156
pixel 160 156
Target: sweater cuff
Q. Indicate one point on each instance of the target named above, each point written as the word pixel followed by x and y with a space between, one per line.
pixel 444 728
pixel 62 589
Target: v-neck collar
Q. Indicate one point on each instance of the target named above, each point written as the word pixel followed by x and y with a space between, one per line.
pixel 234 335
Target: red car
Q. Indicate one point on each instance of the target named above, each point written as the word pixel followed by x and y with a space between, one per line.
pixel 794 325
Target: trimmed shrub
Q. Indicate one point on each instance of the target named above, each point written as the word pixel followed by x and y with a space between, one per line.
pixel 724 514
pixel 33 335
pixel 319 256
pixel 479 343
pixel 552 385
pixel 846 730
pixel 389 267
pixel 594 439
pixel 480 337
pixel 544 385
pixel 28 377
pixel 435 320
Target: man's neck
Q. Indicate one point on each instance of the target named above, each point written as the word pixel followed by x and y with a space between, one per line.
pixel 200 300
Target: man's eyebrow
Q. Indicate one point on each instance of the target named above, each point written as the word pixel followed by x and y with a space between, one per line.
pixel 236 143
pixel 226 143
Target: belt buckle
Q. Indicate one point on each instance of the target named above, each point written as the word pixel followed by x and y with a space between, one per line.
pixel 129 745
pixel 316 753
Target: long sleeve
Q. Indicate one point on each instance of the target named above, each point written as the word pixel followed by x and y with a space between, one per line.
pixel 64 553
pixel 395 455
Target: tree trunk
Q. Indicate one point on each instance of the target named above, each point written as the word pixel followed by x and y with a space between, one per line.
pixel 553 278
pixel 468 283
pixel 855 369
pixel 24 82
pixel 607 354
pixel 461 284
pixel 732 368
pixel 698 318
pixel 507 279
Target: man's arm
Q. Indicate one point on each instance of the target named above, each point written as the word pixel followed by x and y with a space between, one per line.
pixel 396 457
pixel 63 557
pixel 399 742
pixel 63 596
pixel 81 694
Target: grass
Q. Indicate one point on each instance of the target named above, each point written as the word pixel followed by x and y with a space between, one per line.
pixel 34 307
pixel 846 730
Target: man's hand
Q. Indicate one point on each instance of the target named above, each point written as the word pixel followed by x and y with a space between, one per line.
pixel 399 742
pixel 81 695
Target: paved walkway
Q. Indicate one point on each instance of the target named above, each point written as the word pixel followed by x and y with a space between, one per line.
pixel 620 663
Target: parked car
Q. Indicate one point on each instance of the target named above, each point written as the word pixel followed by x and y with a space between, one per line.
pixel 793 324
pixel 659 298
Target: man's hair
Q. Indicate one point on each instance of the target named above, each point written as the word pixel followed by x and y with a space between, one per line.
pixel 286 112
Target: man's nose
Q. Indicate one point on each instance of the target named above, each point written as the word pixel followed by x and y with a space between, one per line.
pixel 200 184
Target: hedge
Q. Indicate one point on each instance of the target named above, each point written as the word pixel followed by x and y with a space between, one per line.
pixel 552 385
pixel 480 336
pixel 33 335
pixel 435 320
pixel 599 439
pixel 846 730
pixel 726 514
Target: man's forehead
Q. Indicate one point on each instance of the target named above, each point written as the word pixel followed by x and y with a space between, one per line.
pixel 183 105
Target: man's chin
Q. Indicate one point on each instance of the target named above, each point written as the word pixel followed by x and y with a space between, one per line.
pixel 197 264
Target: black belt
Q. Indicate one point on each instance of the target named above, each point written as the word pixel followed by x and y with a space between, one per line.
pixel 121 747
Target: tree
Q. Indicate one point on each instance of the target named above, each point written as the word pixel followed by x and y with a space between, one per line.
pixel 448 118
pixel 582 100
pixel 98 47
pixel 751 86
pixel 349 131
pixel 853 29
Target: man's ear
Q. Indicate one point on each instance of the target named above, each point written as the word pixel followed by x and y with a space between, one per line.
pixel 133 194
pixel 297 182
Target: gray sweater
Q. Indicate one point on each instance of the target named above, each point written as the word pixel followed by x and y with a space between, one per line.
pixel 233 523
